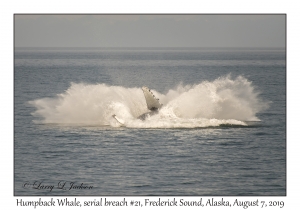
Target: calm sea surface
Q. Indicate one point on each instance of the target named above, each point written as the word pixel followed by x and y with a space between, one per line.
pixel 228 159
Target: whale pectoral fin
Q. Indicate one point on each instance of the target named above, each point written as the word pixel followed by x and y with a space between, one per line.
pixel 118 119
pixel 152 102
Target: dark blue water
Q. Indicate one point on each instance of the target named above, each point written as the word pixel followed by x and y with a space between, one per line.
pixel 227 160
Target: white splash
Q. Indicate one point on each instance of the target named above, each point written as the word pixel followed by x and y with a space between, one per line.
pixel 222 101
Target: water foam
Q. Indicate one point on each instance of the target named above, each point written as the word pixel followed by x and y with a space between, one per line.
pixel 222 101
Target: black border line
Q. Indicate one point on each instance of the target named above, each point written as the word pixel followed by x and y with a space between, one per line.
pixel 162 196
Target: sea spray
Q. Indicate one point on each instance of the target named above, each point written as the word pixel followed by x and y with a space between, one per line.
pixel 90 104
pixel 209 103
pixel 224 98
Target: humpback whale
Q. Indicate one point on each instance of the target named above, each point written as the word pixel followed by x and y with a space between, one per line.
pixel 152 102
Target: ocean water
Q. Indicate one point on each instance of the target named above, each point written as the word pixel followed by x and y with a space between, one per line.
pixel 221 130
